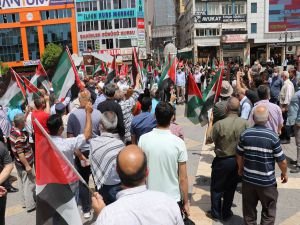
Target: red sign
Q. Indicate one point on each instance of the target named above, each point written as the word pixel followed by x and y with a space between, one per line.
pixel 110 51
pixel 234 38
pixel 141 23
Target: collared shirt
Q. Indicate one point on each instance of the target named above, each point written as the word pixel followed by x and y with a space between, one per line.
pixel 245 108
pixel 4 123
pixel 286 93
pixel 294 110
pixel 136 206
pixel 142 124
pixel 219 110
pixel 68 145
pixel 275 118
pixel 20 145
pixel 180 79
pixel 164 152
pixel 275 86
pixel 226 134
pixel 100 98
pixel 260 148
pixel 104 151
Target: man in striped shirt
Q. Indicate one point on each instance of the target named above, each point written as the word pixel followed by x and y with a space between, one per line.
pixel 257 151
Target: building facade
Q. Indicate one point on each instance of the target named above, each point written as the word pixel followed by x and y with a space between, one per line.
pixel 111 26
pixel 216 29
pixel 274 30
pixel 26 27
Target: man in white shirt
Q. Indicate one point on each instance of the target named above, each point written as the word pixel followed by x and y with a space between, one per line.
pixel 167 157
pixel 135 204
pixel 245 105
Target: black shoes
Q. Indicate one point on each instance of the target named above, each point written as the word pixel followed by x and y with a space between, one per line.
pixel 285 142
pixel 296 170
pixel 12 189
pixel 293 162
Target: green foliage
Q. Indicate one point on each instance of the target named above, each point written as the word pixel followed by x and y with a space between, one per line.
pixel 51 56
pixel 3 68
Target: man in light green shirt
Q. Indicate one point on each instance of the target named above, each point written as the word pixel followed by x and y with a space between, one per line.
pixel 167 157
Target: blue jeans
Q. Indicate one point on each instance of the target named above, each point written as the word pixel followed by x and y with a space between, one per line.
pixel 109 193
pixel 224 179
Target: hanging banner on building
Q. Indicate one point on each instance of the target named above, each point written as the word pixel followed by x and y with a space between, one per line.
pixel 284 15
pixel 220 18
pixel 106 15
pixel 234 38
pixel 15 4
pixel 140 8
pixel 120 34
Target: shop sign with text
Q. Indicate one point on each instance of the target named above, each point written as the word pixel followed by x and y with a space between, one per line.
pixel 121 34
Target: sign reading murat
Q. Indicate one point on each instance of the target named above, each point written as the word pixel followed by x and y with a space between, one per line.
pixel 220 18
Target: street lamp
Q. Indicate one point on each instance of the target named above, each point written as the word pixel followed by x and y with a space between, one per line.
pixel 285 40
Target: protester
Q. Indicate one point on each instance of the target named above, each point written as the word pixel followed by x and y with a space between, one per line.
pixel 6 166
pixel 104 150
pixel 144 122
pixel 286 94
pixel 224 179
pixel 175 128
pixel 293 78
pixel 24 162
pixel 257 151
pixel 76 124
pixel 135 204
pixel 110 105
pixel 100 95
pixel 276 84
pixel 155 99
pixel 275 119
pixel 293 119
pixel 167 158
pixel 245 105
pixel 180 85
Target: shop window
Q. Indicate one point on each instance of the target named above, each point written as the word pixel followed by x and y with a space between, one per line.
pixel 253 28
pixel 253 7
pixel 11 45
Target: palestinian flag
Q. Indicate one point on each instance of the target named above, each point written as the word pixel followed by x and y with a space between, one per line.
pixel 31 89
pixel 100 67
pixel 111 71
pixel 195 101
pixel 55 202
pixel 13 96
pixel 165 70
pixel 41 77
pixel 135 67
pixel 19 82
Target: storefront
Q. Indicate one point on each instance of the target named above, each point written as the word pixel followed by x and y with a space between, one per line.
pixel 233 48
pixel 26 29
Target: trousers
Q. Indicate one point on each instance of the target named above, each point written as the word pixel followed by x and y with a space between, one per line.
pixel 2 210
pixel 26 183
pixel 224 179
pixel 297 139
pixel 109 193
pixel 251 194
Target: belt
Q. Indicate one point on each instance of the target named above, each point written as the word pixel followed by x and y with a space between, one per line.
pixel 225 157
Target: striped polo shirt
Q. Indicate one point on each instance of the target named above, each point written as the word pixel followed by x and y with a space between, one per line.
pixel 260 147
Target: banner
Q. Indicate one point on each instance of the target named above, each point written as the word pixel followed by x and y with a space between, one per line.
pixel 15 4
pixel 106 15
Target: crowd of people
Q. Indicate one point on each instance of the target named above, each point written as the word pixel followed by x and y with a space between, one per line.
pixel 127 141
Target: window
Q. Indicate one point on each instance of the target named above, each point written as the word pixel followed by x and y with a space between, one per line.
pixel 9 18
pixel 207 32
pixel 90 44
pixel 117 4
pixel 88 26
pixel 105 4
pixel 227 9
pixel 33 43
pixel 11 45
pixel 106 24
pixel 107 43
pixel 239 9
pixel 200 7
pixel 125 23
pixel 58 34
pixel 125 43
pixel 87 6
pixel 213 9
pixel 253 7
pixel 253 28
pixel 56 14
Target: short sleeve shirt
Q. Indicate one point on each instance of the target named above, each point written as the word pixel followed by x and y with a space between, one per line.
pixel 164 151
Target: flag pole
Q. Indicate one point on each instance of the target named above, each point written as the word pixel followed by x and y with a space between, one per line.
pixel 62 155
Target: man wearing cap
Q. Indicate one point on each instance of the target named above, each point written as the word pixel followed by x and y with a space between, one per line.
pixel 100 95
pixel 224 178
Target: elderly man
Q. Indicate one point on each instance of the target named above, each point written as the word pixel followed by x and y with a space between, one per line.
pixel 6 167
pixel 104 150
pixel 286 95
pixel 275 119
pixel 110 105
pixel 225 135
pixel 257 151
pixel 100 95
pixel 294 120
pixel 276 84
pixel 75 127
pixel 24 162
pixel 245 105
pixel 135 204
pixel 167 158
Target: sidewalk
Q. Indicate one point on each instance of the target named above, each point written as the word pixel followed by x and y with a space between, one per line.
pixel 288 206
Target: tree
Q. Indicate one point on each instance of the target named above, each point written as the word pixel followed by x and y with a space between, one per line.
pixel 3 69
pixel 51 56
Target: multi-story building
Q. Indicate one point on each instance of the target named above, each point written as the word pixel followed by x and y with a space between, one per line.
pixel 216 29
pixel 26 27
pixel 111 26
pixel 274 30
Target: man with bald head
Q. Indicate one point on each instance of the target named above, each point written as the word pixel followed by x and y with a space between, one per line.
pixel 224 178
pixel 257 151
pixel 135 204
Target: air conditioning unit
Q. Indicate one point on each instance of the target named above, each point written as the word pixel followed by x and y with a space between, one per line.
pixel 291 50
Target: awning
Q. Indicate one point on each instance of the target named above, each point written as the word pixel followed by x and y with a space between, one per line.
pixel 103 57
pixel 186 49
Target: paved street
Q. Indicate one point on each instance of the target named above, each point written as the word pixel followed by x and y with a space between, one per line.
pixel 199 170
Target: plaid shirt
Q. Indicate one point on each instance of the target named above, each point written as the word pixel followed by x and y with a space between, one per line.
pixel 19 144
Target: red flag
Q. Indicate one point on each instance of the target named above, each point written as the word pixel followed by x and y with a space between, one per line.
pixel 78 82
pixel 31 88
pixel 40 71
pixel 193 88
pixel 218 86
pixel 172 70
pixel 19 82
